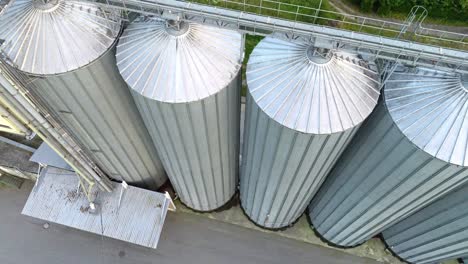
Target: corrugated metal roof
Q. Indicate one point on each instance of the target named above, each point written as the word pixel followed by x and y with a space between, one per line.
pixel 308 92
pixel 57 36
pixel 46 155
pixel 431 109
pixel 177 66
pixel 138 220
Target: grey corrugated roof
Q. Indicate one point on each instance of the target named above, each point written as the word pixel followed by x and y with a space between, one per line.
pixel 310 93
pixel 46 155
pixel 431 109
pixel 178 66
pixel 139 219
pixel 57 36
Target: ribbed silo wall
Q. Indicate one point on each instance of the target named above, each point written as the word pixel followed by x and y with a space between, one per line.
pixel 94 103
pixel 283 168
pixel 434 234
pixel 380 179
pixel 198 143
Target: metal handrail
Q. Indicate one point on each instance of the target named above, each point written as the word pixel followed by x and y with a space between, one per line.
pixel 378 47
pixel 380 27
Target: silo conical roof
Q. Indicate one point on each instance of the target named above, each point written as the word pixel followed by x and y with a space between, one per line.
pixel 178 62
pixel 44 37
pixel 431 109
pixel 311 90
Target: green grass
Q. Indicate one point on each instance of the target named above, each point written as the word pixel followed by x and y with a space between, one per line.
pixel 250 43
pixel 402 16
pixel 285 11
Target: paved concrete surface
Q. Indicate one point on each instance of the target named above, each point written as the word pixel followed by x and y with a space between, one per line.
pixel 186 238
pixel 374 248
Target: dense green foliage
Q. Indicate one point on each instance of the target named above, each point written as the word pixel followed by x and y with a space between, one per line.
pixel 445 9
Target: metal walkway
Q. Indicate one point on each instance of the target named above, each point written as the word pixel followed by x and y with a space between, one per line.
pixel 134 215
pixel 266 17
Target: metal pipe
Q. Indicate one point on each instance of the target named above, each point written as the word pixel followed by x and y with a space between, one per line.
pixel 14 122
pixel 49 134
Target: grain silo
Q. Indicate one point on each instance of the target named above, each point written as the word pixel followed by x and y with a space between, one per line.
pixel 67 48
pixel 304 104
pixel 185 79
pixel 434 234
pixel 411 151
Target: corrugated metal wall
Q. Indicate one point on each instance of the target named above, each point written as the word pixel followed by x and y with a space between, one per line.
pixel 383 177
pixel 185 79
pixel 436 233
pixel 272 151
pixel 198 143
pixel 304 105
pixel 95 105
pixel 73 72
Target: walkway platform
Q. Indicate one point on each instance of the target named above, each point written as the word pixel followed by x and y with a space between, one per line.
pixel 138 218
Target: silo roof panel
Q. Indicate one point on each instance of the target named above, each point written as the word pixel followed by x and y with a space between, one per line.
pixel 57 36
pixel 178 63
pixel 431 108
pixel 310 93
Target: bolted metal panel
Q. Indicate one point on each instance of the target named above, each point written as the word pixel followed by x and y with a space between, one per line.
pixel 95 104
pixel 385 176
pixel 56 36
pixel 283 169
pixel 178 62
pixel 193 109
pixel 302 111
pixel 92 101
pixel 434 234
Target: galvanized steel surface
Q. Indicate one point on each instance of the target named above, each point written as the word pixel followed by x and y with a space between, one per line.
pixel 436 233
pixel 45 155
pixel 198 140
pixel 282 169
pixel 178 65
pixel 431 109
pixel 383 177
pixel 56 36
pixel 308 92
pixel 302 111
pixel 95 104
pixel 138 218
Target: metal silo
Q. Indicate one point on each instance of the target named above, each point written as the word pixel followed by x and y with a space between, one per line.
pixel 185 79
pixel 67 49
pixel 411 151
pixel 436 233
pixel 304 104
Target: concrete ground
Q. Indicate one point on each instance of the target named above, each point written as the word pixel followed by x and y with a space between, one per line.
pixel 186 238
pixel 301 231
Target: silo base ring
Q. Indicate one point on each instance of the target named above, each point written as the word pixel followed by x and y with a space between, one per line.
pixel 323 239
pixel 264 227
pixel 226 206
